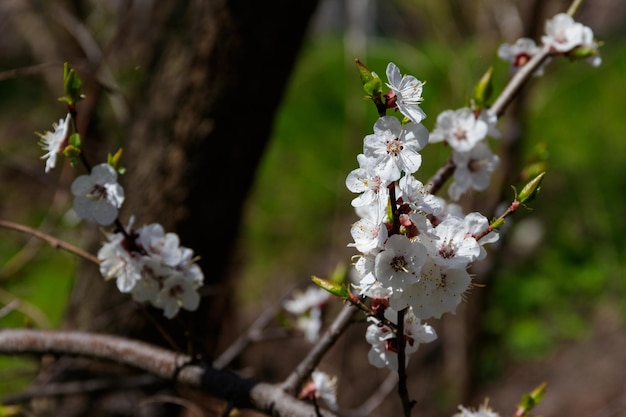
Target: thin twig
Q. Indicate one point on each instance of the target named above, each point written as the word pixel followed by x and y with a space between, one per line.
pixel 31 248
pixel 11 306
pixel 573 8
pixel 403 390
pixel 518 80
pixel 505 98
pixel 376 399
pixel 328 339
pixel 53 241
pixel 440 177
pixel 245 339
pixel 31 311
pixel 27 71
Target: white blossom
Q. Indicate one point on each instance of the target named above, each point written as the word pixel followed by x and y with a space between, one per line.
pixel 98 196
pixel 116 262
pixel 415 195
pixel 400 263
pixel 454 248
pixel 367 285
pixel 383 351
pixel 566 36
pixel 408 93
pixel 439 290
pixel 54 142
pixel 307 305
pixel 369 236
pixel 482 411
pixel 325 387
pixel 395 147
pixel 460 129
pixel 519 53
pixel 177 292
pixel 302 301
pixel 473 170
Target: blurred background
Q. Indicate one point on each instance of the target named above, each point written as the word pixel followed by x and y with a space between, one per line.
pixel 549 306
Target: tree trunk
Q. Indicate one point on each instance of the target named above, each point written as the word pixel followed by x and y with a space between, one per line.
pixel 215 73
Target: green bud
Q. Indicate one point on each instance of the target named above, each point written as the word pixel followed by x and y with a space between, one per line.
pixel 114 161
pixel 483 90
pixel 332 287
pixel 73 153
pixel 372 84
pixel 374 87
pixel 364 72
pixel 72 85
pixel 74 140
pixel 531 189
pixel 73 149
pixel 583 52
pixel 530 401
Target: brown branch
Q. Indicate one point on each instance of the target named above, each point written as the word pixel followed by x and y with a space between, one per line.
pixel 376 399
pixel 28 71
pixel 518 81
pixel 245 339
pixel 244 393
pixel 403 390
pixel 440 177
pixel 53 241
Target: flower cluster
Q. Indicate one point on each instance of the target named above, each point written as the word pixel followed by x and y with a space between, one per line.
pixel 416 259
pixel 563 36
pixel 465 130
pixel 97 195
pixel 152 266
pixel 147 263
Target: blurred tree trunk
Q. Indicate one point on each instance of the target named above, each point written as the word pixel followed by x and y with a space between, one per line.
pixel 215 72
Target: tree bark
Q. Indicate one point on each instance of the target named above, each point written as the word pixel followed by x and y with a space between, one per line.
pixel 215 73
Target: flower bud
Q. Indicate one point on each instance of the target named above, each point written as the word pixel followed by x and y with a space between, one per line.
pixel 74 140
pixel 372 84
pixel 583 52
pixel 483 90
pixel 531 189
pixel 529 401
pixel 364 72
pixel 114 161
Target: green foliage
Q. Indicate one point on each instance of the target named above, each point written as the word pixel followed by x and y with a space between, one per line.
pixel 41 289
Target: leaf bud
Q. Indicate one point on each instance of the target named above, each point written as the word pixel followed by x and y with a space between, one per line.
pixel 531 189
pixel 72 85
pixel 332 287
pixel 483 90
